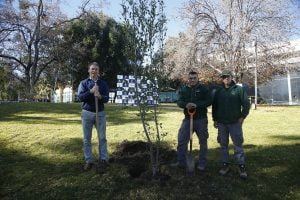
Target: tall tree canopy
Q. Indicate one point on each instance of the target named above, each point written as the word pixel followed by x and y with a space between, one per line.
pixel 99 38
pixel 38 42
pixel 222 34
pixel 26 38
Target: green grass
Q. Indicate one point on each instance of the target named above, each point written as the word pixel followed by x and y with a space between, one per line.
pixel 41 155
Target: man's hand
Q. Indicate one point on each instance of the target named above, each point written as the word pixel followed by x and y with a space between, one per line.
pixel 94 89
pixel 97 94
pixel 191 106
pixel 241 121
pixel 215 124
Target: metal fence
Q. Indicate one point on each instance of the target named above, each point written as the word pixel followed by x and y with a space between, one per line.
pixel 281 90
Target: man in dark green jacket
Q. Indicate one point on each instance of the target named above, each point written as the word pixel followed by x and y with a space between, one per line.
pixel 230 108
pixel 193 96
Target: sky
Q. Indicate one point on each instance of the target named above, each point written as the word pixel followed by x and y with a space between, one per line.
pixel 113 9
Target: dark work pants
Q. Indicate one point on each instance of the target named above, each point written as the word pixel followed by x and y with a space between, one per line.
pixel 200 127
pixel 236 133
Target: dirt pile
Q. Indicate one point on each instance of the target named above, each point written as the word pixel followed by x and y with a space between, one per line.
pixel 135 155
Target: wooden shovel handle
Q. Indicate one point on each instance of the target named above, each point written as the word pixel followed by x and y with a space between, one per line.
pixel 192 112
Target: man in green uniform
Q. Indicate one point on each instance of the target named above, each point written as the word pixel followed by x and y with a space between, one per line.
pixel 230 108
pixel 193 96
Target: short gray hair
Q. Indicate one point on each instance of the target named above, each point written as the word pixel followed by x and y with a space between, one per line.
pixel 93 64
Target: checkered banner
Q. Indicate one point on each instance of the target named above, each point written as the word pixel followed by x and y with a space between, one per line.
pixel 127 94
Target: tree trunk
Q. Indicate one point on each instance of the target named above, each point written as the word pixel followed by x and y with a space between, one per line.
pixel 61 93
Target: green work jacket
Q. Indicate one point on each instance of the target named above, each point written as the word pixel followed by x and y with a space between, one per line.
pixel 198 95
pixel 230 104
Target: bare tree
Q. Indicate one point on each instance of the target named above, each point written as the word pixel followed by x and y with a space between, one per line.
pixel 222 34
pixel 27 35
pixel 180 58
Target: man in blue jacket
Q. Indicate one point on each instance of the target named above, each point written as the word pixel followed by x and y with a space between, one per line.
pixel 87 91
pixel 229 109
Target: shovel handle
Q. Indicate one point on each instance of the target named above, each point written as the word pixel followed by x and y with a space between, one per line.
pixel 192 112
pixel 97 106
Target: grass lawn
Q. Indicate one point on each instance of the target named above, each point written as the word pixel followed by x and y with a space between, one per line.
pixel 41 155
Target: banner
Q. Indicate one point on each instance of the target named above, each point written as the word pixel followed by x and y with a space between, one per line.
pixel 127 92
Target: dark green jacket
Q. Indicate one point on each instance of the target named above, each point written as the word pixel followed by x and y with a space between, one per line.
pixel 198 95
pixel 230 104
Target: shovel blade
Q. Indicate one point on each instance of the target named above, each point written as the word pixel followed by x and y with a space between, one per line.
pixel 190 164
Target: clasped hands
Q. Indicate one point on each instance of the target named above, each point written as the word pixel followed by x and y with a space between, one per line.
pixel 95 91
pixel 241 121
pixel 191 106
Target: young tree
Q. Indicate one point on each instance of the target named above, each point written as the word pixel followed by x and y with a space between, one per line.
pixel 146 21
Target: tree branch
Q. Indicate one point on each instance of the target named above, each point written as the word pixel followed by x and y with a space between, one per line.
pixel 214 68
pixel 83 12
pixel 45 65
pixel 13 58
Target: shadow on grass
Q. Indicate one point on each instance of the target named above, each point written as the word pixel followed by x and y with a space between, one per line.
pixel 288 137
pixel 11 112
pixel 43 120
pixel 23 176
pixel 72 146
pixel 26 177
pixel 58 108
pixel 115 114
pixel 273 174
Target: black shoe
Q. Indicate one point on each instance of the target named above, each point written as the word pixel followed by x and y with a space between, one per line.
pixel 242 171
pixel 225 169
pixel 178 165
pixel 87 166
pixel 201 168
pixel 102 166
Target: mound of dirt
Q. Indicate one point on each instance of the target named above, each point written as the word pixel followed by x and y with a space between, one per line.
pixel 135 155
pixel 132 147
pixel 131 152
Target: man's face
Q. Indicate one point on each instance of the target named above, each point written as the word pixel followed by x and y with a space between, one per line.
pixel 227 80
pixel 193 79
pixel 94 71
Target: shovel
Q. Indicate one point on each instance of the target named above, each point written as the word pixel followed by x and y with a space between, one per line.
pixel 97 117
pixel 98 170
pixel 190 161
